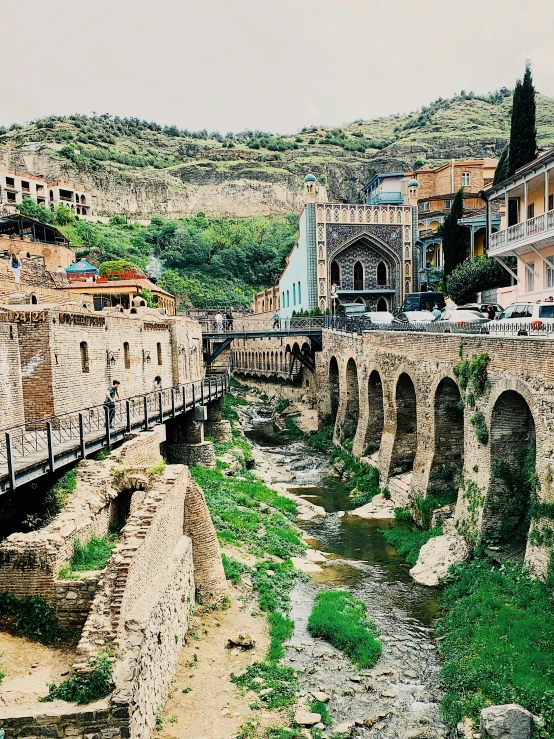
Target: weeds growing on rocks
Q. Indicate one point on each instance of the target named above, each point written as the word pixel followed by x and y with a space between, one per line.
pixel 30 616
pixel 83 689
pixel 341 619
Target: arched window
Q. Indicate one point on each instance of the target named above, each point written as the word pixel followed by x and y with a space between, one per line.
pixel 126 355
pixel 34 299
pixel 335 274
pixel 299 293
pixel 288 299
pixel 294 293
pixel 159 350
pixel 51 195
pixel 382 305
pixel 83 348
pixel 381 273
pixel 283 300
pixel 263 306
pixel 358 276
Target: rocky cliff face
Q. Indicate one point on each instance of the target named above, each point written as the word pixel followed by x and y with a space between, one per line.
pixel 140 169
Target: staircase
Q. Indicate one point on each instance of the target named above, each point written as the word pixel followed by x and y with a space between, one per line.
pixel 399 488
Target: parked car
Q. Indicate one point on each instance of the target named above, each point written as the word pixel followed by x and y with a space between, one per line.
pixel 417 302
pixel 525 319
pixel 462 318
pixel 413 316
pixel 483 307
pixel 379 316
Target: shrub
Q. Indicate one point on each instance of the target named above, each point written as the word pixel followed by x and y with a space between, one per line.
pixel 94 554
pixel 54 500
pixel 341 619
pixel 409 543
pixel 30 616
pixel 233 569
pixel 86 688
pixel 473 276
pixel 402 514
pixel 322 440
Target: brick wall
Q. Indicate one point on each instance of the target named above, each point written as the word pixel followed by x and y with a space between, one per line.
pixel 11 389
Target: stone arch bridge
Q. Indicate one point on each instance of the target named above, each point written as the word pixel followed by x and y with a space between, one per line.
pixel 397 396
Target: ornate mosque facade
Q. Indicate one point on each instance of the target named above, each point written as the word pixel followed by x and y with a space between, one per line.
pixel 354 253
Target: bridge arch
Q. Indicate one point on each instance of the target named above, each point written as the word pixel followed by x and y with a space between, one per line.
pixel 334 387
pixel 376 413
pixel 449 425
pixel 506 511
pixel 405 438
pixel 352 396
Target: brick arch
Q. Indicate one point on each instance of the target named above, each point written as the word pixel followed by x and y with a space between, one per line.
pixel 352 397
pixel 512 431
pixel 405 439
pixel 334 386
pixel 376 413
pixel 448 425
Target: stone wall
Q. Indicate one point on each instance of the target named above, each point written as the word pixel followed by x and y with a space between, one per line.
pixel 11 389
pixel 73 600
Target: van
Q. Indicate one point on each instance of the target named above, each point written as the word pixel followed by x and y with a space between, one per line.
pixel 422 301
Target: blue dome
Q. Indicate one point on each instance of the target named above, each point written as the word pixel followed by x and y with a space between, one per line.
pixel 309 178
pixel 413 183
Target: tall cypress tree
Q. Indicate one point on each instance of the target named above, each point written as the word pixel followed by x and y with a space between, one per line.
pixel 454 237
pixel 523 132
pixel 502 168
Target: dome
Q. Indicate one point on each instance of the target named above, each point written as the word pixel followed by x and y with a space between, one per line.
pixel 413 183
pixel 309 178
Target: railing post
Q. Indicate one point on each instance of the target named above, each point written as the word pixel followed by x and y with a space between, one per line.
pixel 9 459
pixel 202 392
pixel 82 436
pixel 50 443
pixel 145 413
pixel 172 403
pixel 128 414
pixel 193 395
pixel 107 419
pixel 161 405
pixel 184 399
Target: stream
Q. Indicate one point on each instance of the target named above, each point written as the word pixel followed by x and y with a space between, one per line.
pixel 398 698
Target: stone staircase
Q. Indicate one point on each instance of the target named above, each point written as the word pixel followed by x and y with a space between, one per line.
pixel 399 487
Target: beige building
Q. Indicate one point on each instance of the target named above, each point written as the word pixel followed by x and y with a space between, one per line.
pixel 15 187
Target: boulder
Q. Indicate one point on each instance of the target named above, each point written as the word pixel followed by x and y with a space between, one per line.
pixel 345 728
pixel 242 640
pixel 437 556
pixel 510 721
pixel 305 718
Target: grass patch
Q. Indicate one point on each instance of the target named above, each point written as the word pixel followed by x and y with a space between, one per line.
pixel 321 708
pixel 361 479
pixel 292 432
pixel 282 405
pixel 322 440
pixel 233 569
pixel 402 514
pixel 236 510
pixel 2 673
pixel 94 554
pixel 341 619
pixel 83 689
pixel 281 680
pixel 30 616
pixel 409 543
pixel 497 641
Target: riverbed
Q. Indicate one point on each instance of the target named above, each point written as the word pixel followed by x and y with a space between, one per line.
pixel 399 698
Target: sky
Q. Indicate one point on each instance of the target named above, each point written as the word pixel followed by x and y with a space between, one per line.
pixel 274 65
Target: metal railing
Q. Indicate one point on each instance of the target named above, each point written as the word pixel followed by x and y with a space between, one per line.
pixel 253 324
pixel 47 443
pixel 359 324
pixel 282 369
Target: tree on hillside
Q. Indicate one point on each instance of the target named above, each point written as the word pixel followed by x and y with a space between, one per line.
pixel 31 209
pixel 454 237
pixel 523 132
pixel 503 166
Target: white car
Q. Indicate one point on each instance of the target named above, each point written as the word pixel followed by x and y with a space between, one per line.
pixel 462 319
pixel 379 316
pixel 525 319
pixel 414 316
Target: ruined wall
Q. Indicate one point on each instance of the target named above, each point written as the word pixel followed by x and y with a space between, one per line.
pixel 11 388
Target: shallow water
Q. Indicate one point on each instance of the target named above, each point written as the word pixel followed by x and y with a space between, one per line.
pixel 360 560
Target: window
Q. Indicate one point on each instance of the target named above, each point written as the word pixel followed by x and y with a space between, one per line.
pixel 531 211
pixel 11 197
pixel 24 186
pixel 126 355
pixel 10 182
pixel 358 276
pixel 159 351
pixel 466 179
pixel 283 303
pixel 294 294
pixel 546 311
pixel 530 277
pixel 335 274
pixel 299 293
pixel 83 348
pixel 382 274
pixel 288 299
pixel 550 273
pixel 425 206
pixel 551 202
pixel 447 204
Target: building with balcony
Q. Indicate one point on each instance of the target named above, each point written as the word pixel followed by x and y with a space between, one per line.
pixel 437 189
pixel 15 187
pixel 352 253
pixel 526 204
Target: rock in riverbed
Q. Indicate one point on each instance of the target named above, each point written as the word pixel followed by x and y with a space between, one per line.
pixel 510 721
pixel 437 556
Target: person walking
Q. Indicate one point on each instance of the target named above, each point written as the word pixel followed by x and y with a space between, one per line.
pixel 157 384
pixel 112 394
pixel 276 321
pixel 491 313
pixel 15 264
pixel 219 321
pixel 230 318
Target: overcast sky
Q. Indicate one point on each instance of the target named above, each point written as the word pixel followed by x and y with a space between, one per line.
pixel 275 65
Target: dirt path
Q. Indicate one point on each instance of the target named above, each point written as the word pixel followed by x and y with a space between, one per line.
pixel 213 708
pixel 29 666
